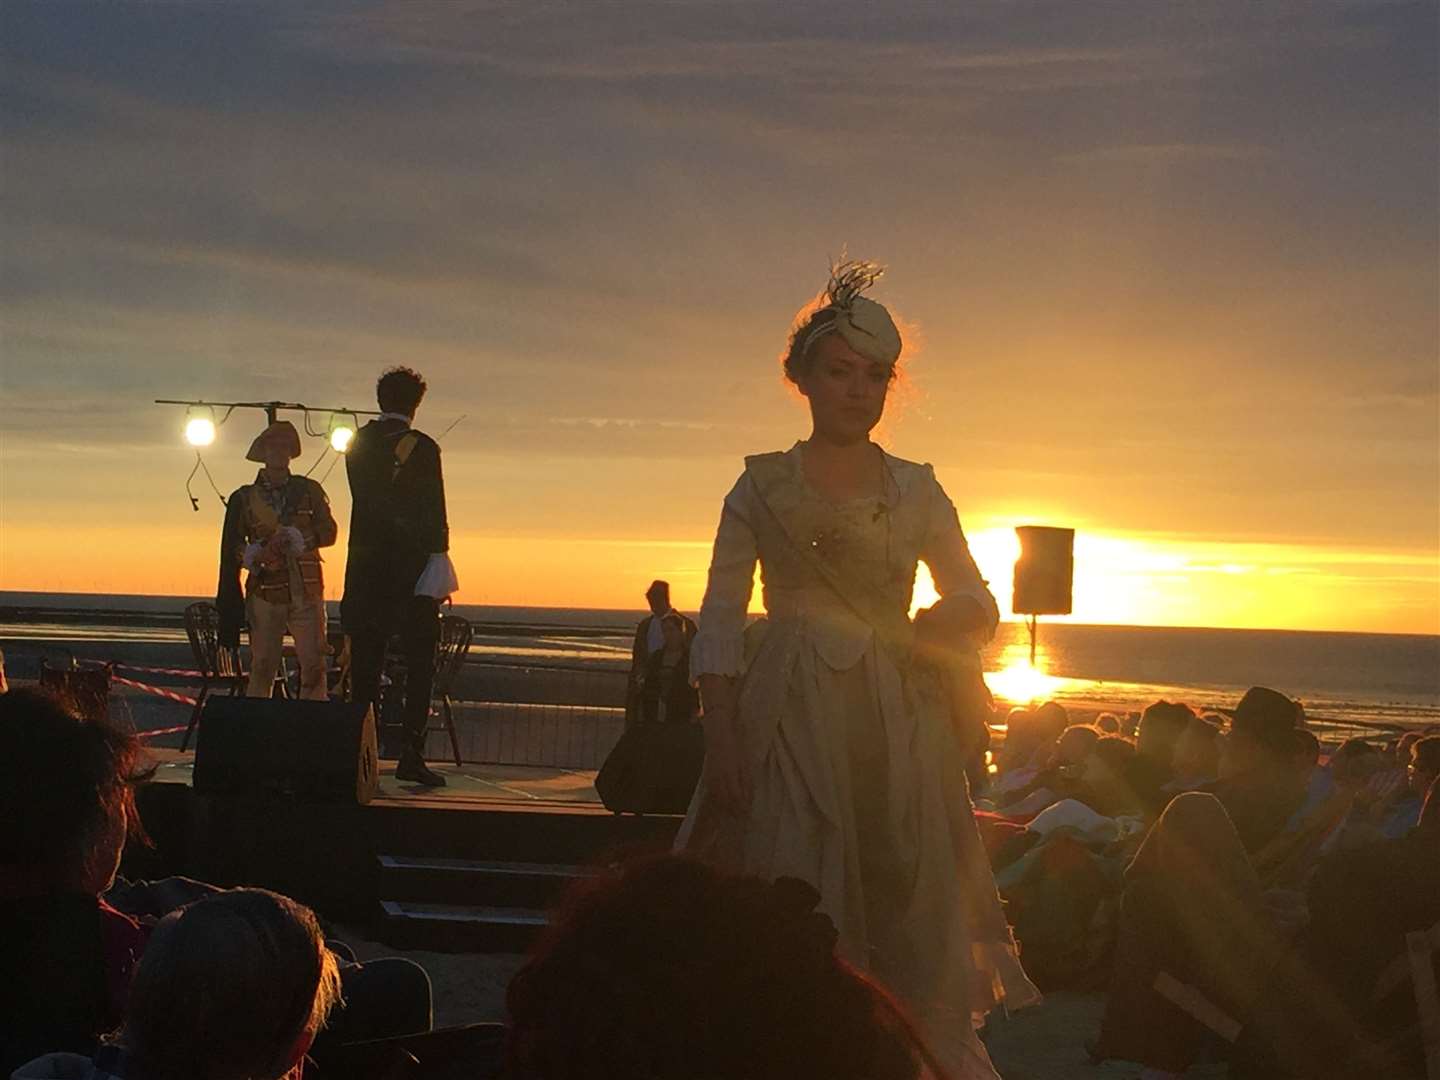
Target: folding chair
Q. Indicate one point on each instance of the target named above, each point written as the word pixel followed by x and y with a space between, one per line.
pixel 217 664
pixel 456 634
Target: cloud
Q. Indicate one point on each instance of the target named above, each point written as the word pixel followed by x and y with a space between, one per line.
pixel 1173 263
pixel 1169 153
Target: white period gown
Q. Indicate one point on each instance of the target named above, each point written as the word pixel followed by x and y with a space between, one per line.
pixel 858 786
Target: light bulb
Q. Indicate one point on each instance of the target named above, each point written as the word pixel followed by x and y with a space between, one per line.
pixel 200 431
pixel 340 436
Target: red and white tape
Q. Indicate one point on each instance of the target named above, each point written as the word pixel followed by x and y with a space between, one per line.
pixel 187 672
pixel 156 690
pixel 153 732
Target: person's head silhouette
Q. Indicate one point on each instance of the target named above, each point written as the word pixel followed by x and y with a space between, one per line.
pixel 658 596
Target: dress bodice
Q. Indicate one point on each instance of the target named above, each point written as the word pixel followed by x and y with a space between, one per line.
pixel 872 543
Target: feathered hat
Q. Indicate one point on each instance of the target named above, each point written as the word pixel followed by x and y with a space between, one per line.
pixel 864 324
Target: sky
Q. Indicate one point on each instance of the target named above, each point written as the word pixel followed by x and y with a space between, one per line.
pixel 1168 272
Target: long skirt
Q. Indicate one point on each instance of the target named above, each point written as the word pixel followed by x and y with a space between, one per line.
pixel 860 790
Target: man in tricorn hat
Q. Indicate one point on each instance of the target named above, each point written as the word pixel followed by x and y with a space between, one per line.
pixel 275 528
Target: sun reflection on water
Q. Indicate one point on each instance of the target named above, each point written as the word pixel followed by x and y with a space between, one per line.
pixel 1015 681
pixel 1020 684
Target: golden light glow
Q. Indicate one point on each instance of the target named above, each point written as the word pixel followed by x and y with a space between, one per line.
pixel 925 593
pixel 200 431
pixel 1020 684
pixel 340 436
pixel 1119 579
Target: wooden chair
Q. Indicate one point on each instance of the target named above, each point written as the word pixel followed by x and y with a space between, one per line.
pixel 456 634
pixel 218 664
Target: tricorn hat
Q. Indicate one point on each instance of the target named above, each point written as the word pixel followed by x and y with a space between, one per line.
pixel 282 430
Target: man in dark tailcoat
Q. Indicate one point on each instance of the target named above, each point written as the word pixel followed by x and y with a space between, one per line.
pixel 398 569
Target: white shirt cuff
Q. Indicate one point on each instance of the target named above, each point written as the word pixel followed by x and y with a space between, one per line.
pixel 438 579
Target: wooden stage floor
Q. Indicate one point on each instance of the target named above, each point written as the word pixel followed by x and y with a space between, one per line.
pixel 472 785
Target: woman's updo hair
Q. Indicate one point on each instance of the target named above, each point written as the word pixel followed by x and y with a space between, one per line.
pixel 796 360
pixel 848 280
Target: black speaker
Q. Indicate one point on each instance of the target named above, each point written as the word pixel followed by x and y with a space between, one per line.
pixel 1045 571
pixel 320 751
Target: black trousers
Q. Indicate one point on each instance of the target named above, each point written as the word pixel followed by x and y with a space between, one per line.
pixel 416 620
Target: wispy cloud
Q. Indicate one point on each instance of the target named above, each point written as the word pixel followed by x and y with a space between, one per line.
pixel 1171 269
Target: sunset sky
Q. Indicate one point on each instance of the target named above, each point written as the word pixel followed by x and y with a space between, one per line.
pixel 1172 270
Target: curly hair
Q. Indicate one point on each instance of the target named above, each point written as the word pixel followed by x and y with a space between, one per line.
pixel 400 390
pixel 63 779
pixel 671 970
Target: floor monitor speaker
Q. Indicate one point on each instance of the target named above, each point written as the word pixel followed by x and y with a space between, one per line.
pixel 321 751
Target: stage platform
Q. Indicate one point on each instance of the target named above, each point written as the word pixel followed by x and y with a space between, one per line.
pixel 469 785
pixel 471 866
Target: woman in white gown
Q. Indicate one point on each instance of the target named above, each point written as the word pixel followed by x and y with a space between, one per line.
pixel 831 755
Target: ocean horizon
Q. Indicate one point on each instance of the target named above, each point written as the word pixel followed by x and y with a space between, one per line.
pixel 1346 676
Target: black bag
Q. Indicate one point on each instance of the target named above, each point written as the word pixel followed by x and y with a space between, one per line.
pixel 653 769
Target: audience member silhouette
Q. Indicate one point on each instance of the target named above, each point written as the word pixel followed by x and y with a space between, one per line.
pixel 671 970
pixel 232 987
pixel 66 807
pixel 1259 785
pixel 1341 1003
pixel 66 803
pixel 1196 759
pixel 1161 726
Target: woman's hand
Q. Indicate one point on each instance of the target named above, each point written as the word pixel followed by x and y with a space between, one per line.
pixel 949 623
pixel 725 777
pixel 725 774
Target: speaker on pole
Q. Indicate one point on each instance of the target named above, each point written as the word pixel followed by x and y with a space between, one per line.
pixel 1045 571
pixel 319 751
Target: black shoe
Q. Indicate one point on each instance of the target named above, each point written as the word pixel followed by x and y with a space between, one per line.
pixel 413 767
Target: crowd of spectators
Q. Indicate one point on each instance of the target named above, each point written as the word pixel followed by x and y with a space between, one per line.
pixel 88 956
pixel 1235 885
pixel 1240 889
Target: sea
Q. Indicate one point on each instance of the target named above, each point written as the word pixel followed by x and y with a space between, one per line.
pixel 1363 679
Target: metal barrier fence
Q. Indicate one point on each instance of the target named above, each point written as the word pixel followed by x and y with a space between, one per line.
pixel 558 716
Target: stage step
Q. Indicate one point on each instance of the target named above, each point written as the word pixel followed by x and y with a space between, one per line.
pixel 456 905
pixel 460 927
pixel 476 882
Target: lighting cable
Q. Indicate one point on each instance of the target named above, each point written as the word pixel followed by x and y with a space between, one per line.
pixel 200 466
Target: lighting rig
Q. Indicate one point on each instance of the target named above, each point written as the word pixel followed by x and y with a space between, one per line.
pixel 202 427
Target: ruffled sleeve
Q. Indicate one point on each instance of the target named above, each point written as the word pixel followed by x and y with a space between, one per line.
pixel 948 556
pixel 718 648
